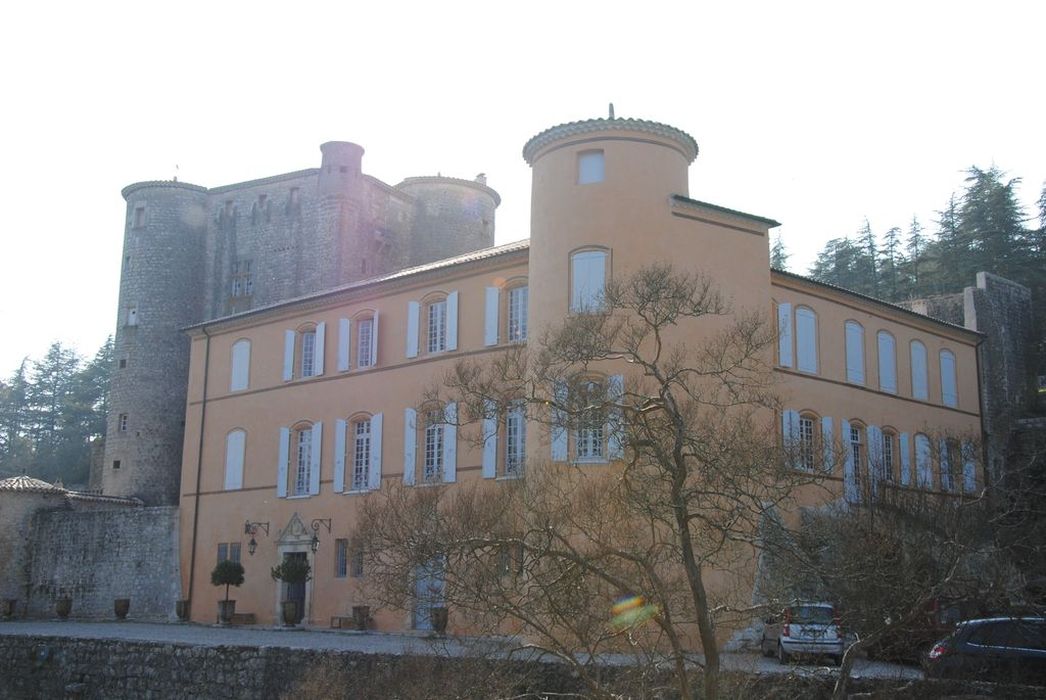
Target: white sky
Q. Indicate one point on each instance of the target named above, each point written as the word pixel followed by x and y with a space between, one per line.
pixel 816 115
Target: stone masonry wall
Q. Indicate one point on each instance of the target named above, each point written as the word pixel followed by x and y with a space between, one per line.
pixel 98 556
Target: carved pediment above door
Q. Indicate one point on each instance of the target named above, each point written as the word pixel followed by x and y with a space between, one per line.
pixel 295 533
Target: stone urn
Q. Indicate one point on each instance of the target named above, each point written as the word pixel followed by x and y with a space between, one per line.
pixel 439 615
pixel 181 609
pixel 120 607
pixel 226 609
pixel 63 606
pixel 8 608
pixel 289 612
pixel 360 616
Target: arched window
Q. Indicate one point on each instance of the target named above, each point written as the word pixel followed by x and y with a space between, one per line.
pixel 434 320
pixel 590 431
pixel 806 339
pixel 920 385
pixel 890 452
pixel 949 394
pixel 808 440
pixel 588 274
pixel 303 351
pixel 515 438
pixel 301 460
pixel 235 446
pixel 367 340
pixel 516 318
pixel 854 352
pixel 923 462
pixel 241 365
pixel 887 362
pixel 360 431
pixel 950 465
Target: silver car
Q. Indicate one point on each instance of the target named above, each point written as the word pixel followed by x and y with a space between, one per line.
pixel 810 629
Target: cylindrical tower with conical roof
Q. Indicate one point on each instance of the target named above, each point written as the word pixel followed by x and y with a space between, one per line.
pixel 161 292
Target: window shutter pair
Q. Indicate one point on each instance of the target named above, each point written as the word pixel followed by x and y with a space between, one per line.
pixel 341 439
pixel 450 444
pixel 345 343
pixel 284 458
pixel 614 427
pixel 414 324
pixel 289 341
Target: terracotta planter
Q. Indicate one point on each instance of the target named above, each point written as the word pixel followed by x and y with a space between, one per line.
pixel 360 616
pixel 289 611
pixel 120 607
pixel 63 606
pixel 9 607
pixel 439 616
pixel 181 609
pixel 226 609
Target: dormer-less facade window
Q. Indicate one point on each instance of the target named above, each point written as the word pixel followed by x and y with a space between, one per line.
pixel 588 273
pixel 590 167
pixel 949 392
pixel 854 352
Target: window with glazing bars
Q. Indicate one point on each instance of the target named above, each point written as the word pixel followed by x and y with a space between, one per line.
pixel 308 353
pixel 806 442
pixel 589 435
pixel 437 335
pixel 888 456
pixel 363 347
pixel 341 557
pixel 855 447
pixel 517 314
pixel 361 455
pixel 434 446
pixel 515 438
pixel 303 455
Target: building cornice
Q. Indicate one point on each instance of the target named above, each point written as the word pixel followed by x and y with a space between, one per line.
pixel 562 131
pixel 442 180
pixel 688 203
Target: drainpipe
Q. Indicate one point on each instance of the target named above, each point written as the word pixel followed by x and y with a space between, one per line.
pixel 199 464
pixel 985 456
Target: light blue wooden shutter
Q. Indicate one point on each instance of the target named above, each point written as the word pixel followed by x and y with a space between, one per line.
pixel 827 445
pixel 949 395
pixel 344 344
pixel 615 424
pixel 854 353
pixel 790 429
pixel 410 444
pixel 887 363
pixel 490 439
pixel 339 455
pixel 920 388
pixel 850 488
pixel 906 460
pixel 452 321
pixel 969 468
pixel 234 449
pixel 314 468
pixel 784 334
pixel 558 436
pixel 413 321
pixel 450 443
pixel 241 364
pixel 876 468
pixel 374 474
pixel 490 316
pixel 374 342
pixel 806 340
pixel 288 355
pixel 321 332
pixel 281 464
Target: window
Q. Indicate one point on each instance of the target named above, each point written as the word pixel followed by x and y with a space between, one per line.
pixel 856 450
pixel 920 385
pixel 303 351
pixel 341 558
pixel 889 467
pixel 854 352
pixel 242 282
pixel 588 281
pixel 434 425
pixel 139 217
pixel 302 461
pixel 806 339
pixel 515 438
pixel 517 314
pixel 437 326
pixel 949 395
pixel 923 462
pixel 132 315
pixel 950 465
pixel 590 436
pixel 365 343
pixel 229 551
pixel 510 559
pixel 807 443
pixel 241 364
pixel 122 423
pixel 590 167
pixel 116 464
pixel 235 447
pixel 887 362
pixel 308 353
pixel 123 363
pixel 361 445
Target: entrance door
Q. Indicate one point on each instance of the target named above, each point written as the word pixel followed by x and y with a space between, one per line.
pixel 428 592
pixel 296 591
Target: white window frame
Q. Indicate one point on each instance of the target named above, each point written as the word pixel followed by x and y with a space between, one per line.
pixel 302 461
pixel 436 326
pixel 587 294
pixel 889 455
pixel 435 434
pixel 365 342
pixel 807 441
pixel 590 435
pixel 518 302
pixel 307 362
pixel 361 454
pixel 515 438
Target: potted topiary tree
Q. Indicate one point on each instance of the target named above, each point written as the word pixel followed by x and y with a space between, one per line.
pixel 292 571
pixel 227 573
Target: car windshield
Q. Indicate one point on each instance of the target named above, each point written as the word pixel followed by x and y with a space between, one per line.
pixel 812 615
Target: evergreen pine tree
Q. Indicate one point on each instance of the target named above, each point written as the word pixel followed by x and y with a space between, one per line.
pixel 890 265
pixel 779 254
pixel 915 260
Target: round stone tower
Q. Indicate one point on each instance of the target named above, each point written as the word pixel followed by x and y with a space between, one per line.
pixel 161 292
pixel 603 185
pixel 452 216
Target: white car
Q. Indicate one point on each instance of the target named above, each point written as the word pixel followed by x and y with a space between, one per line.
pixel 810 629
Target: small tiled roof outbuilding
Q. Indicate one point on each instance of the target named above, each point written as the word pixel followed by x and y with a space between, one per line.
pixel 27 484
